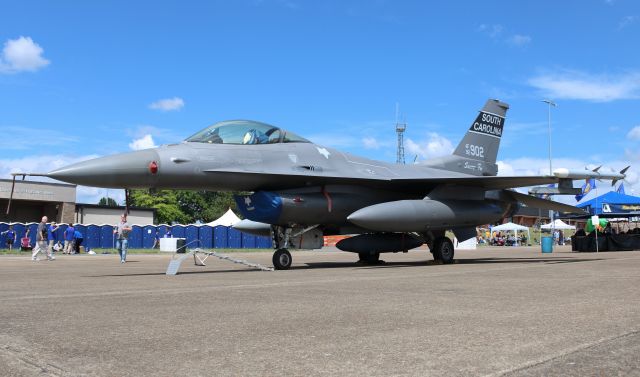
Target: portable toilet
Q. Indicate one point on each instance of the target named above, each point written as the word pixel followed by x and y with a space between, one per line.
pixel 220 234
pixel 83 230
pixel 19 228
pixel 162 230
pixel 92 238
pixel 234 238
pixel 192 237
pixel 178 231
pixel 149 236
pixel 248 241
pixel 205 235
pixel 263 242
pixel 33 229
pixel 107 238
pixel 135 237
pixel 60 232
pixel 3 237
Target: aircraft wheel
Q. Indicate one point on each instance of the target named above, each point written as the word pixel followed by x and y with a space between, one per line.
pixel 282 259
pixel 443 250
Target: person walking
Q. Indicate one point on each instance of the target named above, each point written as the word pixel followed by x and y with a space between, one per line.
pixel 51 236
pixel 41 241
pixel 68 239
pixel 122 231
pixel 10 235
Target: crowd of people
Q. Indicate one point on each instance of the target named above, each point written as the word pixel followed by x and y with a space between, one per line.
pixel 49 240
pixel 500 239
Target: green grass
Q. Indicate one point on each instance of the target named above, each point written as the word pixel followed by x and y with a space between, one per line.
pixel 136 251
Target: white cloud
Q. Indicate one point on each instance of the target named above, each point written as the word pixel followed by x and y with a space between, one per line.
pixel 21 54
pixel 493 31
pixel 28 138
pixel 626 21
pixel 582 86
pixel 144 142
pixel 46 163
pixel 519 40
pixel 634 134
pixel 434 146
pixel 168 104
pixel 370 143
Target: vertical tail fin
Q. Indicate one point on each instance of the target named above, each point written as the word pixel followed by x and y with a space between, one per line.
pixel 477 152
pixel 482 141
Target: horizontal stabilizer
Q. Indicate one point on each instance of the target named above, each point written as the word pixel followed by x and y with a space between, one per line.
pixel 533 202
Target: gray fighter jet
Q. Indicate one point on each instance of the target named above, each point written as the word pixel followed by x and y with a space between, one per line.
pixel 298 191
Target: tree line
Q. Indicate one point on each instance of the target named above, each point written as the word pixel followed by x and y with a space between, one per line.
pixel 183 207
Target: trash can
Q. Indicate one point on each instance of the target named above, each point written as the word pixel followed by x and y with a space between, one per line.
pixel 547 244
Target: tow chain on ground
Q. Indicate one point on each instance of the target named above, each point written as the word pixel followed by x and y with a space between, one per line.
pixel 174 265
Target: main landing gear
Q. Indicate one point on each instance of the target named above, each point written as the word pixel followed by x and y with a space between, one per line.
pixel 282 259
pixel 442 250
pixel 369 258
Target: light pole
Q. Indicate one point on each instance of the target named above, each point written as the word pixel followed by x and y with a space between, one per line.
pixel 550 103
pixel 553 227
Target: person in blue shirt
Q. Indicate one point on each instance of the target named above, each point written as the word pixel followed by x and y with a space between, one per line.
pixel 51 235
pixel 77 240
pixel 10 235
pixel 68 239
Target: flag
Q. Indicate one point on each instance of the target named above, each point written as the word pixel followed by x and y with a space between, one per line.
pixel 586 188
pixel 621 189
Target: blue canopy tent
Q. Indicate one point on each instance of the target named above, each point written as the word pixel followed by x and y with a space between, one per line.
pixel 612 204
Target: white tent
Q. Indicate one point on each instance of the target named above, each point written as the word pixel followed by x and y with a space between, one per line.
pixel 228 219
pixel 557 224
pixel 511 227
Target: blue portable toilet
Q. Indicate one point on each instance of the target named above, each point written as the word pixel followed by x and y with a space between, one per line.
pixel 263 242
pixel 107 238
pixel 234 238
pixel 192 236
pixel 178 231
pixel 3 237
pixel 148 236
pixel 60 232
pixel 248 241
pixel 220 234
pixel 33 229
pixel 82 229
pixel 205 235
pixel 92 238
pixel 19 229
pixel 162 229
pixel 135 237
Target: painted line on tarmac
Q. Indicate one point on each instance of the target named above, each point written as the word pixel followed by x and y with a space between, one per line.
pixel 561 354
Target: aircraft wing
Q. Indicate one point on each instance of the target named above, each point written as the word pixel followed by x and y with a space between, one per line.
pixel 294 178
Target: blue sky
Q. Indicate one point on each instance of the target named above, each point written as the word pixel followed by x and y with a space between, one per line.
pixel 85 79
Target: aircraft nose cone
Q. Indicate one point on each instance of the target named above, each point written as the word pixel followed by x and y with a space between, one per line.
pixel 126 170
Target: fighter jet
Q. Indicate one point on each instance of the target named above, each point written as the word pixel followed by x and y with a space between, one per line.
pixel 298 191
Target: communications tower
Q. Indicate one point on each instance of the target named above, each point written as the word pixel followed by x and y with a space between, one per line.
pixel 400 128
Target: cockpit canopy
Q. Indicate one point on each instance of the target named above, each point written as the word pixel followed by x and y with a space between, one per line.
pixel 244 132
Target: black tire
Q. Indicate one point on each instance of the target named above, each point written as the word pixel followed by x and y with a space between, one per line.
pixel 282 259
pixel 443 250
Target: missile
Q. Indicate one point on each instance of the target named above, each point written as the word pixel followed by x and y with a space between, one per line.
pixel 379 243
pixel 588 174
pixel 425 214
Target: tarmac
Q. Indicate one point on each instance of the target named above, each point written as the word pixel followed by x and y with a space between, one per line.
pixel 509 311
